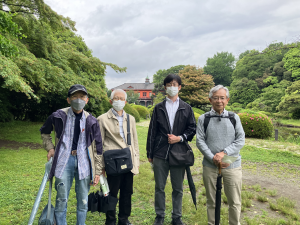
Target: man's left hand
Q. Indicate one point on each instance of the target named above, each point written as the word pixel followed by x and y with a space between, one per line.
pixel 96 180
pixel 172 139
pixel 218 158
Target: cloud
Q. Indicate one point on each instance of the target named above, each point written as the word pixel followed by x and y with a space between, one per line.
pixel 148 35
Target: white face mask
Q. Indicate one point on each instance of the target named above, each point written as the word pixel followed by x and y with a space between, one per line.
pixel 118 105
pixel 172 91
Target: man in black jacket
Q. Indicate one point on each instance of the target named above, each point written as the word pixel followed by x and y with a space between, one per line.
pixel 172 125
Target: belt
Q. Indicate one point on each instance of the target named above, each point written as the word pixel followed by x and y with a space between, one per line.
pixel 74 152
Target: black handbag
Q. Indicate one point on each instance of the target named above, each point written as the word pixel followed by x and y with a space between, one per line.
pixel 119 161
pixel 181 156
pixel 97 202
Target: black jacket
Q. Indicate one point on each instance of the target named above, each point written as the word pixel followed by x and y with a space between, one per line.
pixel 184 125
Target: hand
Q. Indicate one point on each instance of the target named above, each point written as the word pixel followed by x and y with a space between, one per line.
pixel 218 158
pixel 50 154
pixel 103 172
pixel 224 165
pixel 96 180
pixel 150 160
pixel 172 139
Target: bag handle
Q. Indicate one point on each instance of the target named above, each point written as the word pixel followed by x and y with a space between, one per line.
pixel 49 199
pixel 128 131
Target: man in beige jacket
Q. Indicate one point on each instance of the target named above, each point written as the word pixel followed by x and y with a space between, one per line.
pixel 113 127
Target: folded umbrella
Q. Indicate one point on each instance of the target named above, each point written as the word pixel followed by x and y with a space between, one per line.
pixel 218 197
pixel 40 192
pixel 191 185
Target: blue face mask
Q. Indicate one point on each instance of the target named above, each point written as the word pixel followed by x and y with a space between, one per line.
pixel 78 104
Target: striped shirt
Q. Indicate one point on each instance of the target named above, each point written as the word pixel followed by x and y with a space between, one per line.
pixel 66 145
pixel 120 119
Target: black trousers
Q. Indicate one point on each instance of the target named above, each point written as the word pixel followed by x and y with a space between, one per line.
pixel 124 183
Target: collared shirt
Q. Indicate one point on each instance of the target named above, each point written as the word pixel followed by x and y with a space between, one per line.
pixel 172 108
pixel 120 119
pixel 213 112
pixel 66 147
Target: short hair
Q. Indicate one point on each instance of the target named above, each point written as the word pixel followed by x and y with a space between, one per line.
pixel 118 90
pixel 172 77
pixel 216 88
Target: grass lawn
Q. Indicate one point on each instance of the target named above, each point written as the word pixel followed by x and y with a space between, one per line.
pixel 289 121
pixel 21 172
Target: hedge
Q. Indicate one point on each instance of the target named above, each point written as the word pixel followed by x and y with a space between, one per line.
pixel 130 110
pixel 199 111
pixel 142 110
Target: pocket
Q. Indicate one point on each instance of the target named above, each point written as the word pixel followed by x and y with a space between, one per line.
pixel 111 167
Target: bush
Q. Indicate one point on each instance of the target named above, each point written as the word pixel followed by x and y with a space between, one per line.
pixel 256 125
pixel 130 110
pixel 142 110
pixel 296 114
pixel 151 110
pixel 196 116
pixel 199 111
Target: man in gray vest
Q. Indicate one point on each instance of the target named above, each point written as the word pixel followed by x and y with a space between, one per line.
pixel 221 133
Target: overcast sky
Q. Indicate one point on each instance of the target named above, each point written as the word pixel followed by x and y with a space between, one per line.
pixel 148 35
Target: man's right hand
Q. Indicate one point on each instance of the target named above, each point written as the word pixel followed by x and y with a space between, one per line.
pixel 150 160
pixel 50 154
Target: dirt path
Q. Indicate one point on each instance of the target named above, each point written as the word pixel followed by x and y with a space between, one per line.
pixel 14 145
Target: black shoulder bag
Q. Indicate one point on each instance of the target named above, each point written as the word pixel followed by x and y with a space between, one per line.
pixel 119 161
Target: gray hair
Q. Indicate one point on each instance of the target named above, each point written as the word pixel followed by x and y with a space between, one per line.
pixel 216 88
pixel 118 90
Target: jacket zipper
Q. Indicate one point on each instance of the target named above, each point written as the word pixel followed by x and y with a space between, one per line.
pixel 170 129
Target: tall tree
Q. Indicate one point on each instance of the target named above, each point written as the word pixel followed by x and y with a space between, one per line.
pixel 160 75
pixel 195 85
pixel 132 97
pixel 220 66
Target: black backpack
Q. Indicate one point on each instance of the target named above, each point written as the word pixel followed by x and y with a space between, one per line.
pixel 208 116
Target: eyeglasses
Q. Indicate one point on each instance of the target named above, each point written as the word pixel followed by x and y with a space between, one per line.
pixel 222 99
pixel 119 98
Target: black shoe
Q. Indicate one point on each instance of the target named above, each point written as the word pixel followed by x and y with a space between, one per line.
pixel 159 220
pixel 177 221
pixel 124 223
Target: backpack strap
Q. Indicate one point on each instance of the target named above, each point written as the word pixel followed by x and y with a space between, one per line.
pixel 232 118
pixel 206 121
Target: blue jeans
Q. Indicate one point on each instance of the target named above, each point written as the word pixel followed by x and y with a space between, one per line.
pixel 63 187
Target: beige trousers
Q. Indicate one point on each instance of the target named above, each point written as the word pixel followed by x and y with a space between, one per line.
pixel 232 184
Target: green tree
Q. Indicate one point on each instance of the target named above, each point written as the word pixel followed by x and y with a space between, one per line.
pixel 292 62
pixel 220 66
pixel 195 85
pixel 158 98
pixel 160 75
pixel 132 97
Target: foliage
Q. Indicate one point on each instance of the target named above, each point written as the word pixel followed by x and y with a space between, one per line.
pixel 132 97
pixel 292 62
pixel 158 98
pixel 220 66
pixel 243 91
pixel 256 125
pixel 195 85
pixel 50 59
pixel 130 110
pixel 199 111
pixel 197 115
pixel 151 110
pixel 160 75
pixel 270 97
pixel 142 110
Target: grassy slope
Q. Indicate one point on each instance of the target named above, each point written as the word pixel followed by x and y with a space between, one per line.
pixel 21 172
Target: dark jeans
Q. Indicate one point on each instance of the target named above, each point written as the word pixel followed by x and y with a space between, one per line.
pixel 124 183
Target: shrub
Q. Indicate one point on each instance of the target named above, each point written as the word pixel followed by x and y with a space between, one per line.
pixel 151 110
pixel 256 125
pixel 199 111
pixel 142 110
pixel 130 110
pixel 196 116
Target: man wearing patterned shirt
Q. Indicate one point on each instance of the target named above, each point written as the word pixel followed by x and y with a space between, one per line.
pixel 76 153
pixel 172 125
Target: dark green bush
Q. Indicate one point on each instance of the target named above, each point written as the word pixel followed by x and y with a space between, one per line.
pixel 199 111
pixel 256 125
pixel 296 114
pixel 130 110
pixel 142 110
